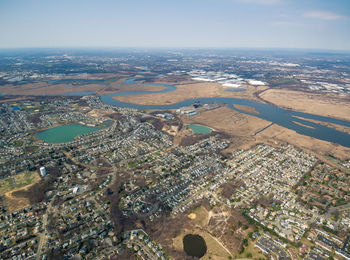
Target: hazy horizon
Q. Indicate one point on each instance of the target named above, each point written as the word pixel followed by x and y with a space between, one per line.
pixel 174 48
pixel 207 24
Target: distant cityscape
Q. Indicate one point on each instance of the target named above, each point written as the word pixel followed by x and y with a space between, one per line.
pixel 307 71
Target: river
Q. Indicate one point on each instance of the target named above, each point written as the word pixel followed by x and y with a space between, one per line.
pixel 283 117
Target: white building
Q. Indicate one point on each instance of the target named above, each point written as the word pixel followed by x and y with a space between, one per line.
pixel 42 171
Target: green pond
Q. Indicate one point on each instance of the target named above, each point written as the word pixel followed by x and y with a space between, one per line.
pixel 65 133
pixel 194 245
pixel 199 129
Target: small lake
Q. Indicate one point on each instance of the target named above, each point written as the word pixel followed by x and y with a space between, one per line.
pixel 199 129
pixel 194 245
pixel 65 133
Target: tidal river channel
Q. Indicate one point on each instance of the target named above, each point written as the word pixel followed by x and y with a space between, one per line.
pixel 283 117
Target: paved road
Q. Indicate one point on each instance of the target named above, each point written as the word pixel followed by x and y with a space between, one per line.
pixel 44 224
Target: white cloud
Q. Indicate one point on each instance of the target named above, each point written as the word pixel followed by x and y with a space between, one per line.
pixel 261 2
pixel 324 15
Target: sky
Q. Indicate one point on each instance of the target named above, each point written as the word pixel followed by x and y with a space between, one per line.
pixel 307 24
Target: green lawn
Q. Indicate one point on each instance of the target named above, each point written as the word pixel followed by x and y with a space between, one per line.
pixel 21 180
pixel 26 178
pixel 6 185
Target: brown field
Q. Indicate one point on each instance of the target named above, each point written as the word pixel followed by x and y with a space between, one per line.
pixel 14 203
pixel 116 89
pixel 278 133
pixel 319 104
pixel 10 185
pixel 240 127
pixel 186 91
pixel 201 216
pixel 43 88
pixel 229 121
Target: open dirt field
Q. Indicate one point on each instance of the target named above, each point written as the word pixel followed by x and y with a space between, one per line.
pixel 201 216
pixel 319 104
pixel 14 203
pixel 20 181
pixel 186 91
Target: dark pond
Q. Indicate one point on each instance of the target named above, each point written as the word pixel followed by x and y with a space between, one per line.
pixel 194 245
